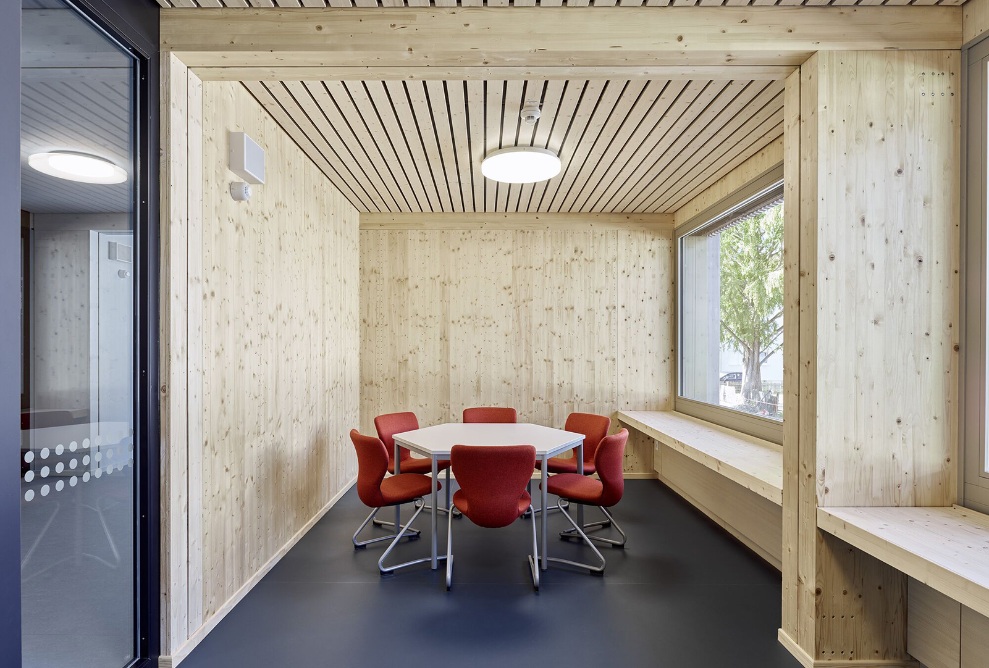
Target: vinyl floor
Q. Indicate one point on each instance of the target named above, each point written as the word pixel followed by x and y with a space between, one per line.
pixel 683 594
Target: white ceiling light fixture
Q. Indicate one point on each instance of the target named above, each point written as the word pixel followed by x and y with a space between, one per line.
pixel 522 164
pixel 81 167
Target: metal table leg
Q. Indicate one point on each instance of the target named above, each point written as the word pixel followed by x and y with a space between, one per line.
pixel 398 469
pixel 580 470
pixel 432 521
pixel 543 486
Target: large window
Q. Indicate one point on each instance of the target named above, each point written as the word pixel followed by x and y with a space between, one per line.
pixel 975 454
pixel 731 312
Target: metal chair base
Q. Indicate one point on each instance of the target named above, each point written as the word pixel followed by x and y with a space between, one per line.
pixel 591 567
pixel 533 558
pixel 360 545
pixel 389 569
pixel 602 524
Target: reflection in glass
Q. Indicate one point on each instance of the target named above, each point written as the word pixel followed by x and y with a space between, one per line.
pixel 77 420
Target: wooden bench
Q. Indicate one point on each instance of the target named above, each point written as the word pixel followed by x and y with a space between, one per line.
pixel 945 551
pixel 733 478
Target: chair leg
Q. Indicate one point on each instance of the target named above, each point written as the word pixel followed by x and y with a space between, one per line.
pixel 602 524
pixel 391 525
pixel 592 568
pixel 534 557
pixel 449 551
pixel 387 570
pixel 358 545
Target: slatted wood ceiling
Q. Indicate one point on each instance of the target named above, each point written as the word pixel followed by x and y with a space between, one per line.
pixel 542 3
pixel 626 146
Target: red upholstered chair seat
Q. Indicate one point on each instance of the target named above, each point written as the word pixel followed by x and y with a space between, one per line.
pixel 419 465
pixel 405 487
pixel 461 501
pixel 561 465
pixel 576 487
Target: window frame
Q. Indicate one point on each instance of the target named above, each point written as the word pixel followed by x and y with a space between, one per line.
pixel 753 425
pixel 973 478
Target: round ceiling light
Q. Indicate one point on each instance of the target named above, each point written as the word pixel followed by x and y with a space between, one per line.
pixel 80 167
pixel 521 164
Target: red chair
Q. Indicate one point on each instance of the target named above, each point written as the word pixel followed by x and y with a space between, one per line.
pixel 594 428
pixel 387 426
pixel 490 414
pixel 492 492
pixel 377 492
pixel 603 493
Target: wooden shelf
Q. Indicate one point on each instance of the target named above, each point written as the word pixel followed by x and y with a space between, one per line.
pixel 753 463
pixel 945 548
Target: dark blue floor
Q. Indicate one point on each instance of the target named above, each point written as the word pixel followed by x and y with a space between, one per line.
pixel 683 594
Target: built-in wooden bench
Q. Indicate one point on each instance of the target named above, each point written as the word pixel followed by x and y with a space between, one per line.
pixel 945 551
pixel 733 478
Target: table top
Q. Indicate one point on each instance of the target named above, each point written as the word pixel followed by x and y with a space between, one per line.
pixel 438 440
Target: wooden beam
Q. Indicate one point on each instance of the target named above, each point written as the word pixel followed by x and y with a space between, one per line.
pixel 515 221
pixel 501 73
pixel 549 37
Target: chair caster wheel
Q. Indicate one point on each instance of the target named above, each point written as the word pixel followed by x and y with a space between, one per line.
pixel 360 547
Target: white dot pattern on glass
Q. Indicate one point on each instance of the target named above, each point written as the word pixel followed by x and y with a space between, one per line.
pixel 85 476
pixel 45 471
pixel 29 476
pixel 98 473
pixel 59 449
pixel 29 495
pixel 44 453
pixel 45 489
pixel 73 481
pixel 59 467
pixel 72 446
pixel 99 440
pixel 85 460
pixel 73 463
pixel 99 456
pixel 59 486
pixel 29 456
pixel 85 442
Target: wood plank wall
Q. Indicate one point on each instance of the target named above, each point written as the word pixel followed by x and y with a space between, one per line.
pixel 264 293
pixel 547 314
pixel 875 371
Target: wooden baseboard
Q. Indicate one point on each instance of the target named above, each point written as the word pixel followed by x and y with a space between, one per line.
pixel 807 661
pixel 197 637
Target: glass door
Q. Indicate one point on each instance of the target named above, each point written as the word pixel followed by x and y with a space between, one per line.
pixel 78 221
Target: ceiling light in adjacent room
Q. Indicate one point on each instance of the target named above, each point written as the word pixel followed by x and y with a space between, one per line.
pixel 80 167
pixel 521 164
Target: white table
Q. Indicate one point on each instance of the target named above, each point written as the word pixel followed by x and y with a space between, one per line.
pixel 437 441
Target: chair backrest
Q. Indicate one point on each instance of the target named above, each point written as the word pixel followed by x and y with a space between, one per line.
pixel 608 461
pixel 390 424
pixel 493 479
pixel 593 427
pixel 490 414
pixel 372 464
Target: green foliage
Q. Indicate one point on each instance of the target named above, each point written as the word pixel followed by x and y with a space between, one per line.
pixel 752 287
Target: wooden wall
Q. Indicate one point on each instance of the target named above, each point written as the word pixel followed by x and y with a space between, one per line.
pixel 261 396
pixel 876 263
pixel 549 314
pixel 975 23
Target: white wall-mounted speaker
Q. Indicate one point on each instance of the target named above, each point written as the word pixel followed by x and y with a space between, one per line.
pixel 246 158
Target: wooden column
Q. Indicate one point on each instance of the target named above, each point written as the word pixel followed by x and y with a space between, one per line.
pixel 872 162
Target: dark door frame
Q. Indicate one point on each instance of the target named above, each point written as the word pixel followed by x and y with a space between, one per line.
pixel 134 23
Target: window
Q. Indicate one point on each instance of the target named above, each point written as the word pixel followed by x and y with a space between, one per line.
pixel 730 320
pixel 974 454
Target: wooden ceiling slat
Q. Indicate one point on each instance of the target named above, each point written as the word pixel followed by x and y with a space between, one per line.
pixel 611 106
pixel 475 136
pixel 558 127
pixel 420 107
pixel 727 163
pixel 442 125
pixel 340 3
pixel 456 95
pixel 588 155
pixel 623 150
pixel 493 112
pixel 364 110
pixel 315 99
pixel 551 93
pixel 727 132
pixel 378 97
pixel 325 136
pixel 725 110
pixel 263 95
pixel 409 130
pixel 181 4
pixel 695 97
